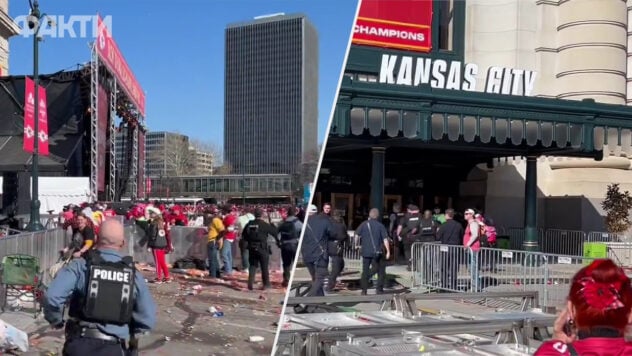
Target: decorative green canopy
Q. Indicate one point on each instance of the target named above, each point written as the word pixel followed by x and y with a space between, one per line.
pixel 543 125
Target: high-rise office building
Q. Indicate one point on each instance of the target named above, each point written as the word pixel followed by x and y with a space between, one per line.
pixel 271 94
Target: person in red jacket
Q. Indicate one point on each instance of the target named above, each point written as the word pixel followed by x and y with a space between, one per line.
pixel 230 223
pixel 178 217
pixel 596 316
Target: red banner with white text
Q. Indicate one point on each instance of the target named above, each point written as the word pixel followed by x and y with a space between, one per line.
pixel 29 115
pixel 397 24
pixel 110 54
pixel 43 122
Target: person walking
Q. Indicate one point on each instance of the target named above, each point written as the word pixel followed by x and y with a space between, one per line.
pixel 104 320
pixel 375 251
pixel 289 234
pixel 255 237
pixel 314 249
pixel 335 248
pixel 159 244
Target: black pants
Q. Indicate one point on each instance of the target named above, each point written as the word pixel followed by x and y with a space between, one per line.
pixel 337 265
pixel 288 254
pixel 449 268
pixel 370 266
pixel 82 346
pixel 258 257
pixel 318 271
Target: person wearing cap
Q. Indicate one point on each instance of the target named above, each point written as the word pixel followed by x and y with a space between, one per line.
pixel 255 236
pixel 158 243
pixel 471 241
pixel 318 229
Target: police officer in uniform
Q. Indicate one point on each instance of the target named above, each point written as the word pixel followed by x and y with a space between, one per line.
pixel 255 237
pixel 408 231
pixel 108 300
pixel 289 234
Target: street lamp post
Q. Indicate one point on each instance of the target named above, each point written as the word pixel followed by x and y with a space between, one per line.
pixel 35 23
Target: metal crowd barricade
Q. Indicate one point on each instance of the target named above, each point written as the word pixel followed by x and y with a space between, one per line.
pixel 439 267
pixel 44 245
pixel 563 242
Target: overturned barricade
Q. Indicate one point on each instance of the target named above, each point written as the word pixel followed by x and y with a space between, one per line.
pixel 404 322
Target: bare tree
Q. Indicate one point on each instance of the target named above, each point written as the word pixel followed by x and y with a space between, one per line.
pixel 174 154
pixel 206 156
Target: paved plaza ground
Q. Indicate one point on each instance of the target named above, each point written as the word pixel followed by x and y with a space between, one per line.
pixel 185 325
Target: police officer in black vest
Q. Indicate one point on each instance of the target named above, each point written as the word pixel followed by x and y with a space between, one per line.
pixel 408 231
pixel 109 302
pixel 255 237
pixel 289 234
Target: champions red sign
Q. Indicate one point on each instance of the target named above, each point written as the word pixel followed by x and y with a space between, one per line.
pixel 398 24
pixel 110 54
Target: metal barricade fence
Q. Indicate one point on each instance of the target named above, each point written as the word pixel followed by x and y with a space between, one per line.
pixel 457 269
pixel 45 245
pixel 563 242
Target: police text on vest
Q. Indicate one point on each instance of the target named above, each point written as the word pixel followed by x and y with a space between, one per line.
pixel 114 276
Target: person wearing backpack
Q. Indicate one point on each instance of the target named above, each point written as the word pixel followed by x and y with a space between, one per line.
pixel 289 234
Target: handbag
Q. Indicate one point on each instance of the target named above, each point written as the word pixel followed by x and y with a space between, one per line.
pixel 381 251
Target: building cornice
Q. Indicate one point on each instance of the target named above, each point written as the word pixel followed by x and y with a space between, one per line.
pixel 8 25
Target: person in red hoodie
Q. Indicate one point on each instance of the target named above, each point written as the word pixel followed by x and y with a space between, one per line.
pixel 230 223
pixel 178 217
pixel 596 315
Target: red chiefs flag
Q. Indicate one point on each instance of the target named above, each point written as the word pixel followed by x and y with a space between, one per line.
pixel 29 115
pixel 43 122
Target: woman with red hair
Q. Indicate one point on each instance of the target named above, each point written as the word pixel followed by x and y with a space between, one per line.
pixel 596 316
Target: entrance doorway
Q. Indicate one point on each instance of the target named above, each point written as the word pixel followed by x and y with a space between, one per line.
pixel 343 205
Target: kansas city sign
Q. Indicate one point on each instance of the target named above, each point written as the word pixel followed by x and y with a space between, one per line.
pixel 454 75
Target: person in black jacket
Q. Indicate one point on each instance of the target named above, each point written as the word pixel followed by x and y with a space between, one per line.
pixel 335 249
pixel 314 249
pixel 255 237
pixel 451 233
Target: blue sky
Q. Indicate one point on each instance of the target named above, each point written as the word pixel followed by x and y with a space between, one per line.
pixel 176 51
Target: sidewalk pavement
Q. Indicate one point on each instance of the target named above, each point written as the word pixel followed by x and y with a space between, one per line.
pixel 185 324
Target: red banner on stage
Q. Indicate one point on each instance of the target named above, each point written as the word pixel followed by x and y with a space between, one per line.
pixel 398 24
pixel 110 54
pixel 42 117
pixel 29 115
pixel 147 187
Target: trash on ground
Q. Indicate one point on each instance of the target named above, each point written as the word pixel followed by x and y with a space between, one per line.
pixel 12 338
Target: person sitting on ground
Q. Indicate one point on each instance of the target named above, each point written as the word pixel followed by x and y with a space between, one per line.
pixel 597 314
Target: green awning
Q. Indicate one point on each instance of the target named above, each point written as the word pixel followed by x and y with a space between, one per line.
pixel 373 111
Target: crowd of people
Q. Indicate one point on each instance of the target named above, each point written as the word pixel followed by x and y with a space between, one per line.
pixel 378 241
pixel 253 229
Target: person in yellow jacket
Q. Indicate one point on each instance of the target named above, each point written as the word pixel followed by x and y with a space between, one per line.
pixel 215 233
